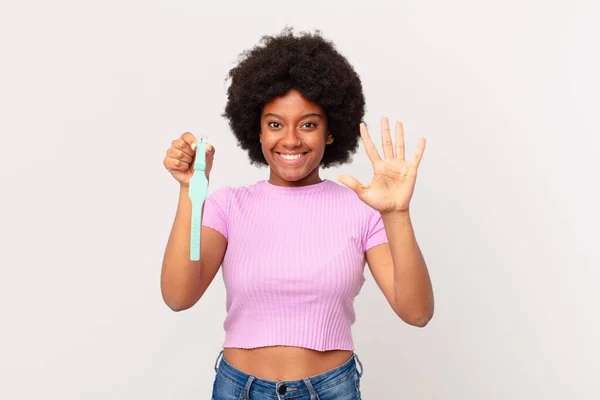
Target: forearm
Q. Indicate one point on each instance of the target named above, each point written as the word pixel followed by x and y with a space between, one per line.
pixel 413 293
pixel 180 277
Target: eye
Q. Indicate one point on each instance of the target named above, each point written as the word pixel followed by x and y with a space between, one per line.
pixel 274 124
pixel 310 125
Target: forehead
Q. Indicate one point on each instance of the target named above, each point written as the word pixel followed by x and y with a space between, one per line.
pixel 291 103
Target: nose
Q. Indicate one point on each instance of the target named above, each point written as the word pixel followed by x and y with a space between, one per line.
pixel 291 139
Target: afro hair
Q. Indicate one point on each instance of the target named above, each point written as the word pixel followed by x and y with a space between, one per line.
pixel 309 64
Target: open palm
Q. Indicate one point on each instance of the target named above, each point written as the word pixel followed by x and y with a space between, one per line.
pixel 394 177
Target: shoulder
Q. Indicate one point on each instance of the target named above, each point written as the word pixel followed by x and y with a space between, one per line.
pixel 225 194
pixel 340 190
pixel 348 198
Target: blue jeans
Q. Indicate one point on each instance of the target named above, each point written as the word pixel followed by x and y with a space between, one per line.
pixel 340 383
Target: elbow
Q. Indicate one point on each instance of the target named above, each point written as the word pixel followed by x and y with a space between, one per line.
pixel 176 304
pixel 421 322
pixel 417 319
pixel 177 298
pixel 176 307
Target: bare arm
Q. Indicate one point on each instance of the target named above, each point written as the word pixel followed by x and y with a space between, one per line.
pixel 401 273
pixel 183 282
pixel 398 266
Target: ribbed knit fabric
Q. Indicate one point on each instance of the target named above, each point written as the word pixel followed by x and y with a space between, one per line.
pixel 294 262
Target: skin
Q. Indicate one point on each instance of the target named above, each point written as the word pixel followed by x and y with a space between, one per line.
pixel 293 125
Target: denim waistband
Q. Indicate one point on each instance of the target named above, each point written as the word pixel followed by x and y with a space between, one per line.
pixel 295 388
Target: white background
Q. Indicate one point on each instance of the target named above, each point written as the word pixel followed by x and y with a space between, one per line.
pixel 505 210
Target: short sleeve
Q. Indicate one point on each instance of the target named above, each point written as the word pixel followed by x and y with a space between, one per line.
pixel 215 213
pixel 375 231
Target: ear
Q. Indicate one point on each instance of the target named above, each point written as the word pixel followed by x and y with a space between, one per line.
pixel 260 136
pixel 329 139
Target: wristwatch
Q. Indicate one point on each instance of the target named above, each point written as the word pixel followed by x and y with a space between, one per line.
pixel 198 191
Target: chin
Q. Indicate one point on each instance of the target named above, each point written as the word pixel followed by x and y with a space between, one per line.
pixel 292 176
pixel 293 171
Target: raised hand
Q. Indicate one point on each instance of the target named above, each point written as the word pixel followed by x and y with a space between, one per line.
pixel 180 157
pixel 394 177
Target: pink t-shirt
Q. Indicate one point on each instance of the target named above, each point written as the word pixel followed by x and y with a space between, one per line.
pixel 294 262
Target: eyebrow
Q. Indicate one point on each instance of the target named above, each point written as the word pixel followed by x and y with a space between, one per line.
pixel 302 117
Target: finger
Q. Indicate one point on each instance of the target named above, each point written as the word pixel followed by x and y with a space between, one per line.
pixel 399 141
pixel 419 153
pixel 210 150
pixel 350 182
pixel 182 145
pixel 368 143
pixel 187 143
pixel 386 139
pixel 210 154
pixel 179 155
pixel 174 164
pixel 189 138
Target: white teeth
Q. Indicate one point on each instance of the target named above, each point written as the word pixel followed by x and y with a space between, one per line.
pixel 291 156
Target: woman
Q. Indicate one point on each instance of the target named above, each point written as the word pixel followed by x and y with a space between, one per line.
pixel 293 247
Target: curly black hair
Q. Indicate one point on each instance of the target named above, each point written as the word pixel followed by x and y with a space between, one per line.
pixel 309 64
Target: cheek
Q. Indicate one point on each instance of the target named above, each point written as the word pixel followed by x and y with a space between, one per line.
pixel 318 145
pixel 267 148
pixel 266 144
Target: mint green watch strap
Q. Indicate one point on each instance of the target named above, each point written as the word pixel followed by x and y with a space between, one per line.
pixel 198 192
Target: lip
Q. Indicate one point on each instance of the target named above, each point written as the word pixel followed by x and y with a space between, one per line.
pixel 291 163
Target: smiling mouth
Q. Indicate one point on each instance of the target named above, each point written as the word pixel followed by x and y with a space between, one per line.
pixel 291 157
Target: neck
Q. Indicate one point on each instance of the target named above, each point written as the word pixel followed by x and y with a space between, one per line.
pixel 311 179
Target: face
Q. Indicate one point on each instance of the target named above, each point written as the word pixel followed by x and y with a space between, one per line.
pixel 293 138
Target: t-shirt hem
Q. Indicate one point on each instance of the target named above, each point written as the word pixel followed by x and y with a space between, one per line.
pixel 216 228
pixel 374 243
pixel 256 345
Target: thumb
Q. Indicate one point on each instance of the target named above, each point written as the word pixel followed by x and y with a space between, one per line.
pixel 350 182
pixel 209 156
